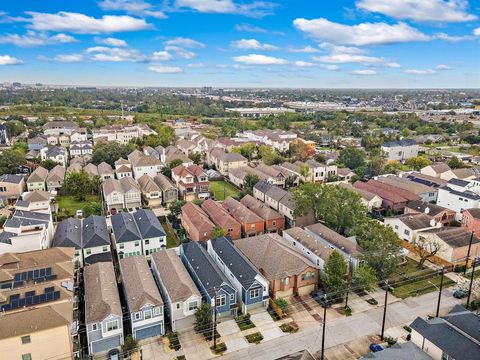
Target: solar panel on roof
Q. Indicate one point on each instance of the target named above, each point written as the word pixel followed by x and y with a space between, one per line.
pixel 30 293
pixel 50 289
pixel 56 295
pixel 42 272
pixel 6 286
pixel 42 298
pixel 48 271
pixel 18 284
pixel 14 297
pixel 29 300
pixel 36 300
pixel 21 303
pixel 14 304
pixel 49 296
pixel 17 277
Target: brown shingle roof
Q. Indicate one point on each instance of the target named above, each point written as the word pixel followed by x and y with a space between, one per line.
pixel 304 238
pixel 454 236
pixel 138 282
pixel 240 212
pixel 259 208
pixel 198 218
pixel 334 238
pixel 174 275
pixel 56 174
pixel 474 212
pixel 218 214
pixel 416 221
pixel 101 292
pixel 40 174
pixel 272 255
pixel 104 169
pixel 147 184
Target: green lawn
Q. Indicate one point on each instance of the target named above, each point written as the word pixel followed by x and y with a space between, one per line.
pixel 423 281
pixel 68 206
pixel 223 189
pixel 172 238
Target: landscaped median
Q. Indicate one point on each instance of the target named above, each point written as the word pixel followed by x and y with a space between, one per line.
pixel 254 338
pixel 244 322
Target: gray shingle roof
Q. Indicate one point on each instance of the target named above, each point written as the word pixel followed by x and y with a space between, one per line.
pixel 236 262
pixel 81 234
pixel 148 224
pixel 263 186
pixel 13 179
pixel 404 142
pixel 124 227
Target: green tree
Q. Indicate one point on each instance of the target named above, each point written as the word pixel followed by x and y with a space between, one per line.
pixel 305 171
pixel 10 161
pixel 79 185
pixel 21 146
pixel 218 232
pixel 174 163
pixel 248 150
pixel 166 171
pixel 249 182
pixel 456 163
pixel 334 276
pixel 14 128
pixel 93 208
pixel 203 320
pixel 299 150
pixel 130 344
pixel 269 155
pixel 176 207
pixel 352 157
pixel 110 152
pixel 196 157
pixel 165 137
pixel 364 278
pixel 48 164
pixel 418 162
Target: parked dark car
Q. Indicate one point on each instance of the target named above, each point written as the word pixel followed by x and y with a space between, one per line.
pixel 459 294
pixel 320 297
pixel 375 347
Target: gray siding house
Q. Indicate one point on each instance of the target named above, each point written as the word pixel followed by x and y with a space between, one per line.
pixel 144 302
pixel 103 311
pixel 178 290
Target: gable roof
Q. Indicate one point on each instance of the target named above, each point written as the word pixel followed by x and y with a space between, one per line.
pixel 163 182
pixel 128 184
pixel 301 236
pixel 415 221
pixel 104 169
pixel 197 217
pixel 240 212
pixel 334 238
pixel 111 185
pixel 262 186
pixel 235 261
pixel 147 184
pixel 427 208
pixel 273 256
pixel 218 214
pixel 174 276
pixel 475 213
pixel 39 175
pixel 9 178
pixel 259 208
pixel 454 236
pixel 56 174
pixel 403 142
pixel 82 234
pixel 101 292
pixel 148 224
pixel 140 287
pixel 205 269
pixel 124 227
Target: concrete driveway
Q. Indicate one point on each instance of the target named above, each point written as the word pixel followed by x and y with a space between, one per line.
pixel 265 324
pixel 231 336
pixel 194 345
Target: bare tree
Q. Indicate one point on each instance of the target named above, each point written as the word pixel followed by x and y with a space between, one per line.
pixel 426 248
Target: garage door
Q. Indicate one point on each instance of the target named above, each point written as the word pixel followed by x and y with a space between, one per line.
pixel 155 330
pixel 106 344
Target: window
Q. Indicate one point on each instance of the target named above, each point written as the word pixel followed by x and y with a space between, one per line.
pixel 88 251
pixel 396 227
pixel 105 249
pixel 157 311
pixel 254 293
pixel 137 243
pixel 112 325
pixel 94 327
pixel 192 306
pixel 137 316
pixel 308 275
pixel 285 281
pixel 220 300
pixel 406 232
pixel 122 246
pixel 26 357
pixel 147 314
pixel 232 297
pixel 26 339
pixel 147 242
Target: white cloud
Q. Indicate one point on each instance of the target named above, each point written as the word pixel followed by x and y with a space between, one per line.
pixel 134 7
pixel 363 72
pixel 339 49
pixel 303 64
pixel 69 58
pixel 165 69
pixel 420 72
pixel 306 49
pixel 83 24
pixel 420 10
pixel 185 42
pixel 162 56
pixel 9 60
pixel 452 38
pixel 252 44
pixel 350 58
pixel 253 9
pixel 32 38
pixel 183 53
pixel 443 67
pixel 476 31
pixel 359 35
pixel 256 59
pixel 111 42
pixel 250 28
pixel 331 67
pixel 102 53
pixel 197 65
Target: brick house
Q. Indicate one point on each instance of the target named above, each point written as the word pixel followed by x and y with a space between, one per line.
pixel 221 218
pixel 251 223
pixel 274 221
pixel 196 223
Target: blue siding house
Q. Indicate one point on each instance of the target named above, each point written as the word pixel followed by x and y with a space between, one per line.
pixel 246 279
pixel 209 279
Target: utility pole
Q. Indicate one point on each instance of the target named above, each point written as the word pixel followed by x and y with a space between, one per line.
pixel 468 254
pixel 471 281
pixel 349 281
pixel 384 310
pixel 214 327
pixel 324 325
pixel 442 271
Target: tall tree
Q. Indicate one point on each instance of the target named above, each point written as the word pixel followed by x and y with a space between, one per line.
pixel 10 161
pixel 426 248
pixel 203 319
pixel 419 162
pixel 334 276
pixel 352 157
pixel 79 184
pixel 364 278
pixel 176 207
pixel 110 152
pixel 249 182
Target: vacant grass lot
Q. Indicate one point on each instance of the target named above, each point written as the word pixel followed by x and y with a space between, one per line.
pixel 222 189
pixel 172 238
pixel 411 281
pixel 67 205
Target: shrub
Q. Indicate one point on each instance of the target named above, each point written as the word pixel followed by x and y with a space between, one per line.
pixel 390 340
pixel 174 342
pixel 130 344
pixel 348 311
pixel 221 347
pixel 289 328
pixel 244 322
pixel 181 357
pixel 407 328
pixel 254 338
pixel 474 305
pixel 372 301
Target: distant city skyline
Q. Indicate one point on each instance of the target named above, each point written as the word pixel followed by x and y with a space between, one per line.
pixel 242 43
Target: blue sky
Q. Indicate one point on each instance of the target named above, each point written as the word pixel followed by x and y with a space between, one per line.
pixel 242 43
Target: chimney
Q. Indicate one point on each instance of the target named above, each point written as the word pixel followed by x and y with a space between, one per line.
pixel 427 210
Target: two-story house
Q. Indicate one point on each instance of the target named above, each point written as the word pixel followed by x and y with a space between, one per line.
pixel 139 233
pixel 37 179
pixel 11 187
pixel 221 218
pixel 55 178
pixel 180 295
pixel 224 161
pixel 251 223
pixel 274 221
pixel 251 286
pixel 105 171
pixel 169 191
pixel 400 150
pixel 214 286
pixel 103 310
pixel 192 182
pixel 151 193
pixel 196 223
pixel 144 303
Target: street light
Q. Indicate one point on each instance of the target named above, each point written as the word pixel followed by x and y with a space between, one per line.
pixel 384 310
